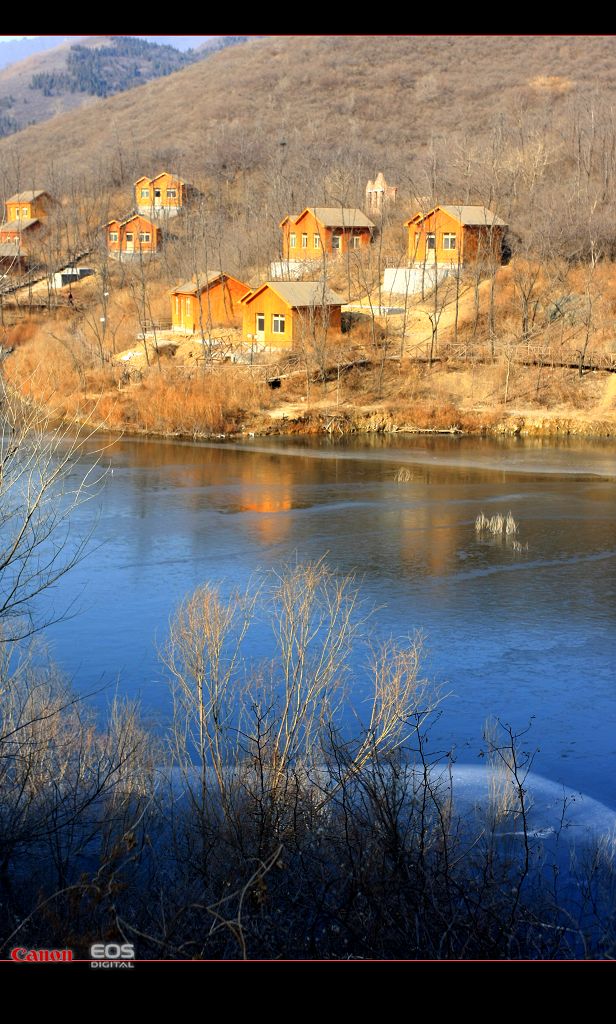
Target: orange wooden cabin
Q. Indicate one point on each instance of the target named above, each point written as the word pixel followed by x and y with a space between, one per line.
pixel 284 313
pixel 215 300
pixel 455 234
pixel 30 205
pixel 25 212
pixel 333 230
pixel 20 233
pixel 166 193
pixel 134 236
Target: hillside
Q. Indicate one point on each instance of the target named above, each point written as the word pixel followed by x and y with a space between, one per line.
pixel 76 72
pixel 277 124
pixel 297 107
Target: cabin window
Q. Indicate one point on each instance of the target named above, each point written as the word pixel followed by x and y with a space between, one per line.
pixel 129 236
pixel 145 193
pixel 337 242
pixel 113 236
pixel 304 241
pixel 24 211
pixel 260 322
pixel 316 242
pixel 449 241
pixel 277 323
pixel 430 240
pixel 172 193
pixel 144 236
pixel 292 240
pixel 355 242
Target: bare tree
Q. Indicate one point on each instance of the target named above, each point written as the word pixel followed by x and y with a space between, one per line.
pixel 40 489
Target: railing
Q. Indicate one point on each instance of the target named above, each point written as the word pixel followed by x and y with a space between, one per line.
pixel 152 326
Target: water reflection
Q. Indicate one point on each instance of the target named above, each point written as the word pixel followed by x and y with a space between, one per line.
pixel 510 633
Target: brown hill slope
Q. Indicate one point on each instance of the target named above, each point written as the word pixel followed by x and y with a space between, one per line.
pixel 384 98
pixel 520 124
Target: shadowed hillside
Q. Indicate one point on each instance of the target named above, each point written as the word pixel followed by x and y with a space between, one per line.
pixel 79 71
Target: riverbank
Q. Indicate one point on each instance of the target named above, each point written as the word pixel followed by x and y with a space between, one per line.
pixel 167 399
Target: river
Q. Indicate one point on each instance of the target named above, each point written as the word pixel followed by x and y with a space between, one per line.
pixel 526 636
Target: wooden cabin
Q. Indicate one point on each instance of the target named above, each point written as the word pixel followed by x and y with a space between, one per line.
pixel 284 313
pixel 333 230
pixel 25 214
pixel 12 259
pixel 454 235
pixel 30 205
pixel 134 236
pixel 166 193
pixel 20 233
pixel 214 300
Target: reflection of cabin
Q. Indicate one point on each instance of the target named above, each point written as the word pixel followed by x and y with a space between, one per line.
pixel 166 193
pixel 285 313
pixel 25 213
pixel 214 300
pixel 317 230
pixel 133 237
pixel 454 234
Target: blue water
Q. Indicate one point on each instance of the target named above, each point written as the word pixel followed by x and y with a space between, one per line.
pixel 524 636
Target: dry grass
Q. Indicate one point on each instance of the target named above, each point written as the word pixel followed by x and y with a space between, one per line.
pixel 165 398
pixel 552 83
pixel 216 400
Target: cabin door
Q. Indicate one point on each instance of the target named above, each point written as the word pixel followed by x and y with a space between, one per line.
pixel 130 241
pixel 260 327
pixel 157 197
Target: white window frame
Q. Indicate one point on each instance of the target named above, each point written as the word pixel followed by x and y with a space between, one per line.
pixel 336 243
pixel 261 317
pixel 278 323
pixel 355 241
pixel 129 236
pixel 172 193
pixel 292 240
pixel 145 193
pixel 113 236
pixel 430 241
pixel 316 241
pixel 450 237
pixel 145 236
pixel 304 240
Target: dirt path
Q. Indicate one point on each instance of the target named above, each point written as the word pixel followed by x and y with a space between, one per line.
pixel 418 329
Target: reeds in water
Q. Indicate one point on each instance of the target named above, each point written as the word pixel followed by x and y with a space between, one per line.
pixel 496 524
pixel 500 526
